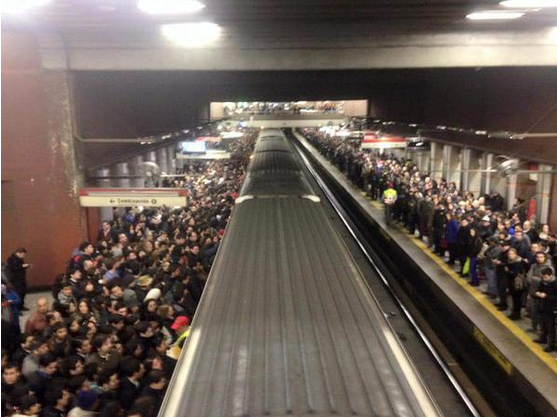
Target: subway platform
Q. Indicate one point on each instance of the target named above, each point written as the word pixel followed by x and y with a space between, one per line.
pixel 508 343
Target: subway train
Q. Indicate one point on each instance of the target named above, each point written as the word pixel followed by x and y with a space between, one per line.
pixel 286 324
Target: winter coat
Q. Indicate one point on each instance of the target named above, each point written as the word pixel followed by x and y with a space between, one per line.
pixel 463 240
pixel 475 246
pixel 514 270
pixel 549 303
pixel 534 277
pixel 451 232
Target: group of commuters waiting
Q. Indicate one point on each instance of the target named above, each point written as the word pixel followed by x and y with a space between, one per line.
pixel 514 254
pixel 106 342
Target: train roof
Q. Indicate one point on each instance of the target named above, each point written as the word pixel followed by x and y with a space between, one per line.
pixel 274 160
pixel 287 326
pixel 276 182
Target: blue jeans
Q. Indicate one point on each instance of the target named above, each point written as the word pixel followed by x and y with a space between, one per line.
pixel 475 279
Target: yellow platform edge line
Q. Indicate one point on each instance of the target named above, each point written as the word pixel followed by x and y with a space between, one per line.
pixel 517 331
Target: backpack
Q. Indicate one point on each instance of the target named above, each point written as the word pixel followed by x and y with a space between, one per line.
pixel 520 282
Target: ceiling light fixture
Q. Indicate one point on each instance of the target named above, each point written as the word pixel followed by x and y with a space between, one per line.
pixel 192 35
pixel 494 15
pixel 21 6
pixel 529 4
pixel 161 7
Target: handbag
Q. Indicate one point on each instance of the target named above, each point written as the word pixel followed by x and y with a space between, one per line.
pixel 466 267
pixel 443 243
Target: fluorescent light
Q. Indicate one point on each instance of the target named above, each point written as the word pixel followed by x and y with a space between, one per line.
pixel 21 6
pixel 494 15
pixel 192 35
pixel 529 4
pixel 169 6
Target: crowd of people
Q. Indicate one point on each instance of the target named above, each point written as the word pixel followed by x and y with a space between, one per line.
pixel 505 248
pixel 106 345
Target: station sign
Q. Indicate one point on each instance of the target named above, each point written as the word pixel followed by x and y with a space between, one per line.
pixel 372 141
pixel 132 197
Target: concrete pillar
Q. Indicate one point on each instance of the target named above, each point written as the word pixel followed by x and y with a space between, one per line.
pixel 162 160
pixel 135 169
pixel 425 161
pixel 170 156
pixel 105 182
pixel 543 194
pixel 465 174
pixel 436 160
pixel 486 164
pixel 512 183
pixel 455 165
pixel 150 156
pixel 122 169
pixel 451 164
pixel 416 157
pixel 471 179
pixel 552 217
pixel 203 112
pixel 106 214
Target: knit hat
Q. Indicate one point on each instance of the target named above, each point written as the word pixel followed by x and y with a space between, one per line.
pixel 144 281
pixel 153 294
pixel 180 322
pixel 86 399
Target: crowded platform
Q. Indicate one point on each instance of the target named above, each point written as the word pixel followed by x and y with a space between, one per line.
pixel 499 248
pixel 106 340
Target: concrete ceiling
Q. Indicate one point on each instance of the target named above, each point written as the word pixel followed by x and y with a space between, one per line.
pixel 291 35
pixel 258 14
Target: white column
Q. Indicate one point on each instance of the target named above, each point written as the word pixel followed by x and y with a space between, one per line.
pixel 436 160
pixel 105 213
pixel 122 169
pixel 543 193
pixel 487 163
pixel 448 156
pixel 170 156
pixel 464 174
pixel 135 164
pixel 150 156
pixel 512 183
pixel 162 160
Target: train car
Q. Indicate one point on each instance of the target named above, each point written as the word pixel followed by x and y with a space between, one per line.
pixel 287 324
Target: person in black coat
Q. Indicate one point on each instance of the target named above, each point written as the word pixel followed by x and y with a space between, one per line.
pixel 463 240
pixel 517 281
pixel 502 276
pixel 155 388
pixel 547 299
pixel 16 267
pixel 40 380
pixel 130 385
pixel 57 401
pixel 439 221
pixel 475 247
